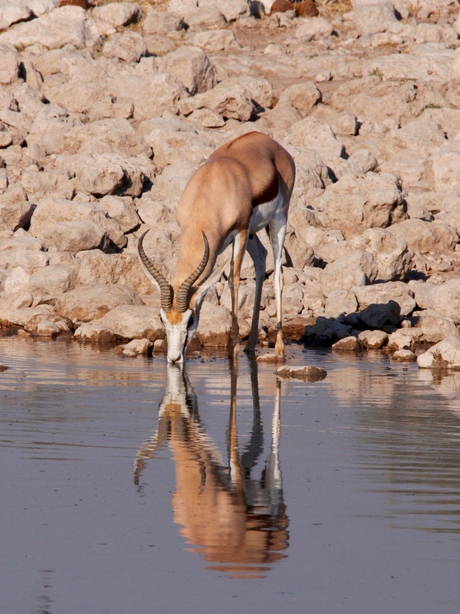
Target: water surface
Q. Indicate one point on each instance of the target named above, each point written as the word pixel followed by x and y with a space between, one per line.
pixel 127 488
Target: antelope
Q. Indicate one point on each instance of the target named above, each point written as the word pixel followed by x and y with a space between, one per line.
pixel 237 522
pixel 243 187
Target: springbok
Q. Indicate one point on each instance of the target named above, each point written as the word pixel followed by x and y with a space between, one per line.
pixel 244 186
pixel 236 521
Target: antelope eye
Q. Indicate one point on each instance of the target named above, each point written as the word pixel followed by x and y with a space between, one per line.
pixel 191 322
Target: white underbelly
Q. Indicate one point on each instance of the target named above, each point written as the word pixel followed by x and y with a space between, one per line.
pixel 264 213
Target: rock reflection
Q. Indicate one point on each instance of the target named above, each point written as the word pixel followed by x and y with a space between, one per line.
pixel 237 523
pixel 407 441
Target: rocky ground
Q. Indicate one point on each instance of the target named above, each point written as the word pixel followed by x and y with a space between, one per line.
pixel 105 112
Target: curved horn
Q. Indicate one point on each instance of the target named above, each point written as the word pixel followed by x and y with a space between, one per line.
pixel 182 301
pixel 165 287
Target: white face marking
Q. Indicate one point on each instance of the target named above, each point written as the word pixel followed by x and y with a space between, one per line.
pixel 179 334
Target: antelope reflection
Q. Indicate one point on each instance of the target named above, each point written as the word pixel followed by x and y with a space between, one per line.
pixel 238 523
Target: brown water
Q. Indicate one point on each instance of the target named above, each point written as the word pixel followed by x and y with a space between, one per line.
pixel 127 488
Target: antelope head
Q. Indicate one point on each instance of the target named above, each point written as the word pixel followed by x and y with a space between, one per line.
pixel 179 309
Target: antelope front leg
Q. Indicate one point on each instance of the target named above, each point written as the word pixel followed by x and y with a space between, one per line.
pixel 239 247
pixel 258 254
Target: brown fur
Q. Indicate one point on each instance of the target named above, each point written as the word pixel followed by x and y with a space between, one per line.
pixel 306 8
pixel 82 3
pixel 174 317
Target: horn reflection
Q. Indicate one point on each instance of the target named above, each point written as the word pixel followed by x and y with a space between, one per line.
pixel 238 523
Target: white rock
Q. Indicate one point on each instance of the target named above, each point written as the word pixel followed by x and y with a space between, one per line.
pixel 12 11
pixel 192 67
pixel 99 268
pixel 231 102
pixel 371 16
pixel 348 271
pixel 118 13
pixel 355 204
pixel 65 25
pixel 424 237
pixel 302 96
pixel 92 302
pixel 52 280
pixel 215 40
pixel 444 299
pixel 396 292
pixel 231 9
pixel 373 339
pixel 443 355
pixel 404 355
pixel 391 254
pixel 133 322
pixel 400 341
pixel 340 301
pixel 127 46
pixel 312 134
pixel 137 347
pixel 314 28
pixel 52 211
pixel 93 333
pixel 9 63
pixel 151 96
pixel 16 281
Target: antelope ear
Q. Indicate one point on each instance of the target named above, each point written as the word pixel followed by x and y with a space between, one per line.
pixel 203 287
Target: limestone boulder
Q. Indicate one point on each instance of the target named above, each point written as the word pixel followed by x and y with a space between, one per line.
pixel 192 67
pixel 373 339
pixel 95 334
pixel 21 317
pixel 9 64
pixel 127 46
pixel 215 40
pixel 400 341
pixel 89 303
pixel 349 271
pixel 444 299
pixel 132 321
pixel 231 9
pixel 207 17
pixel 151 95
pixel 339 302
pixel 444 355
pixel 231 102
pixel 432 327
pixel 122 210
pixel 40 183
pixel 15 209
pixel 215 325
pixel 118 14
pixel 313 28
pixel 424 237
pixel 106 173
pixel 30 260
pixel 391 254
pixel 355 204
pixel 302 96
pixel 376 294
pixel 310 133
pixel 371 16
pixel 62 26
pixel 53 280
pixel 137 347
pixel 74 236
pixel 87 223
pixel 96 267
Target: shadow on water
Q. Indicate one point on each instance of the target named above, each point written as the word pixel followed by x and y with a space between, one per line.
pixel 238 523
